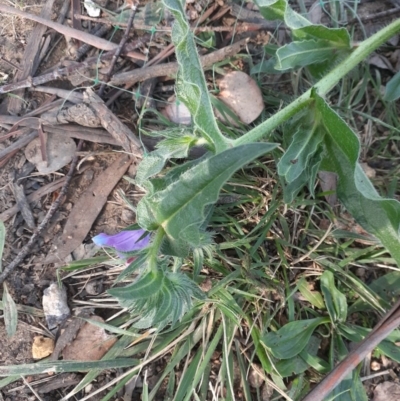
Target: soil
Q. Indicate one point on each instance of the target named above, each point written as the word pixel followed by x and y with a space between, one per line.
pixel 27 282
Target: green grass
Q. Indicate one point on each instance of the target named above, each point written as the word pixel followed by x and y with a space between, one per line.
pixel 264 272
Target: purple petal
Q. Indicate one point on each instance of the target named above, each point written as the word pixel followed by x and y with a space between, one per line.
pixel 124 241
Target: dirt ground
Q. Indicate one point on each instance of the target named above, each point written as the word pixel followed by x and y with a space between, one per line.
pixel 28 281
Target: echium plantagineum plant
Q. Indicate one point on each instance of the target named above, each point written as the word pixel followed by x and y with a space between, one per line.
pixel 173 214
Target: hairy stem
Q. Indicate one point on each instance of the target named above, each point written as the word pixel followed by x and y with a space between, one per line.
pixel 323 86
pixel 155 248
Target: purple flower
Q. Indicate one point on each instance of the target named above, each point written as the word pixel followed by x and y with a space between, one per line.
pixel 124 241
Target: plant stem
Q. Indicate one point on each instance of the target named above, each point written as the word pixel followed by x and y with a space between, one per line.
pixel 155 247
pixel 323 86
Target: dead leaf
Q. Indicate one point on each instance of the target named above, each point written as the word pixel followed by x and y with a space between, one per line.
pixel 60 151
pixel 42 347
pixel 387 391
pixel 377 60
pixel 86 210
pixel 315 12
pixel 328 182
pixel 242 95
pixel 91 343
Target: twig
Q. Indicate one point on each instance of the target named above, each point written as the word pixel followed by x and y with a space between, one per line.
pixel 28 247
pixel 13 210
pixel 67 70
pixel 67 31
pixel 131 77
pixel 166 29
pixel 44 53
pixel 11 64
pixel 76 10
pixel 18 144
pixel 23 204
pixel 31 58
pixel 119 50
pixel 95 135
pixel 99 31
pixel 113 124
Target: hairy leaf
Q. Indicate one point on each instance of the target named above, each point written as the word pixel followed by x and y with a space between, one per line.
pixel 180 208
pixel 170 148
pixel 306 52
pixel 379 216
pixel 304 145
pixel 338 36
pixel 292 338
pixel 147 284
pixel 191 84
pixel 279 9
pixel 158 302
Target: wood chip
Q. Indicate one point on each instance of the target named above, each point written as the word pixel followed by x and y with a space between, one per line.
pixel 86 210
pixel 69 331
pixel 91 343
pixel 23 204
pixel 30 60
pixel 113 124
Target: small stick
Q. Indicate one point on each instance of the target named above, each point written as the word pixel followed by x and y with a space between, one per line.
pixel 11 64
pixel 28 247
pixel 63 72
pixel 166 29
pixel 33 197
pixel 23 204
pixel 119 50
pixel 30 60
pixel 67 31
pixel 18 144
pixel 43 141
pixel 131 77
pixel 99 31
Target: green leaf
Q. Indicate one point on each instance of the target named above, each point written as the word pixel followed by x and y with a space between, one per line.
pixel 314 297
pixel 191 84
pixel 170 148
pixel 279 9
pixel 388 346
pixel 292 338
pixel 10 312
pixel 387 286
pixel 337 36
pixel 392 90
pixel 144 286
pixel 180 208
pixel 158 298
pixel 304 145
pixel 379 216
pixel 306 52
pixel 335 301
pixel 297 365
pixel 65 366
pixel 272 9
